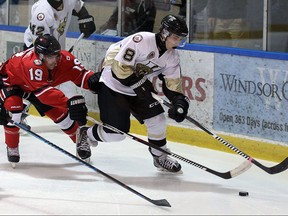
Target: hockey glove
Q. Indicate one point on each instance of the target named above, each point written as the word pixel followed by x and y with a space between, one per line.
pixel 179 109
pixel 93 82
pixel 5 115
pixel 87 25
pixel 77 109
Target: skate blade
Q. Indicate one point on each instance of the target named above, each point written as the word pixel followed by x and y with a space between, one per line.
pixel 87 160
pixel 23 133
pixel 13 165
pixel 162 170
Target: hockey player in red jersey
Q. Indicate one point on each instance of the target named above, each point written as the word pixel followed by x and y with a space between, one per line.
pixel 33 74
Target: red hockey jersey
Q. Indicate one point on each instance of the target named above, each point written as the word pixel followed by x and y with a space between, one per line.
pixel 26 70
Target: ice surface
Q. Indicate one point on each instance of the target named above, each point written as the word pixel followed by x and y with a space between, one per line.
pixel 48 182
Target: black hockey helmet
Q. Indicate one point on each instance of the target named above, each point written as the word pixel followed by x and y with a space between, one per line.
pixel 55 3
pixel 174 24
pixel 47 45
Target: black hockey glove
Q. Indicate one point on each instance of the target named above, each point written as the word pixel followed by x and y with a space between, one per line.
pixel 87 25
pixel 93 82
pixel 5 115
pixel 77 109
pixel 180 107
pixel 143 88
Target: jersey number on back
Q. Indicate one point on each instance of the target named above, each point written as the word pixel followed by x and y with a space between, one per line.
pixel 36 31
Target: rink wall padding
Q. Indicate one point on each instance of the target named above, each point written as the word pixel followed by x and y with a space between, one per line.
pixel 186 136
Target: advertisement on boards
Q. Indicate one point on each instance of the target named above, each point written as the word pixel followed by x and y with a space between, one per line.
pixel 251 97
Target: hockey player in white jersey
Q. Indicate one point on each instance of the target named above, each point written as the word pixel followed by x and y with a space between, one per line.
pixel 54 17
pixel 125 87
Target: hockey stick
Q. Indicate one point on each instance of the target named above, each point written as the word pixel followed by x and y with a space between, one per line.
pixel 162 202
pixel 282 166
pixel 227 175
pixel 76 42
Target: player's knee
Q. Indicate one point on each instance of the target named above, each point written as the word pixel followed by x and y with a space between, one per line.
pixel 60 117
pixel 156 127
pixel 14 104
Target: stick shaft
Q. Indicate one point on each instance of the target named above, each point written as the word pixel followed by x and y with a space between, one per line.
pixel 76 42
pixel 162 202
pixel 227 175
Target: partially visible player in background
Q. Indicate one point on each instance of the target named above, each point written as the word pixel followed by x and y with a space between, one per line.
pixel 33 74
pixel 54 17
pixel 138 15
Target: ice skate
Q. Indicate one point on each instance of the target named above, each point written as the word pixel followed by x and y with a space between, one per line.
pixel 13 156
pixel 82 144
pixel 166 163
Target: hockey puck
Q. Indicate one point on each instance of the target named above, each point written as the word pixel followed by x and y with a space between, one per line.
pixel 243 193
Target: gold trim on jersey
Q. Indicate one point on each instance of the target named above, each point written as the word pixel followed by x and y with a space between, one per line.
pixel 174 84
pixel 122 71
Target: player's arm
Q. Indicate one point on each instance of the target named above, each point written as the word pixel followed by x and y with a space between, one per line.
pixel 51 96
pixel 173 90
pixel 129 74
pixel 78 74
pixel 86 22
pixel 54 97
pixel 123 59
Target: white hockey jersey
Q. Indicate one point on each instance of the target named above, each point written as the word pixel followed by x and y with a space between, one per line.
pixel 140 49
pixel 46 20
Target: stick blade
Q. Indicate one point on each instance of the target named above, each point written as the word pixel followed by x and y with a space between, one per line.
pixel 162 202
pixel 241 169
pixel 280 167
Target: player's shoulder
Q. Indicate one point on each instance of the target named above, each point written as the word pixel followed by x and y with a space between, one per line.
pixel 173 57
pixel 28 59
pixel 67 57
pixel 42 10
pixel 141 40
pixel 41 6
pixel 143 37
pixel 67 53
pixel 73 2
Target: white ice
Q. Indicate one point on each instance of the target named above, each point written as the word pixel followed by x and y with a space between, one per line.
pixel 48 182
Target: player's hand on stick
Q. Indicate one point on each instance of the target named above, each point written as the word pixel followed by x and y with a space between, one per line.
pixel 179 109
